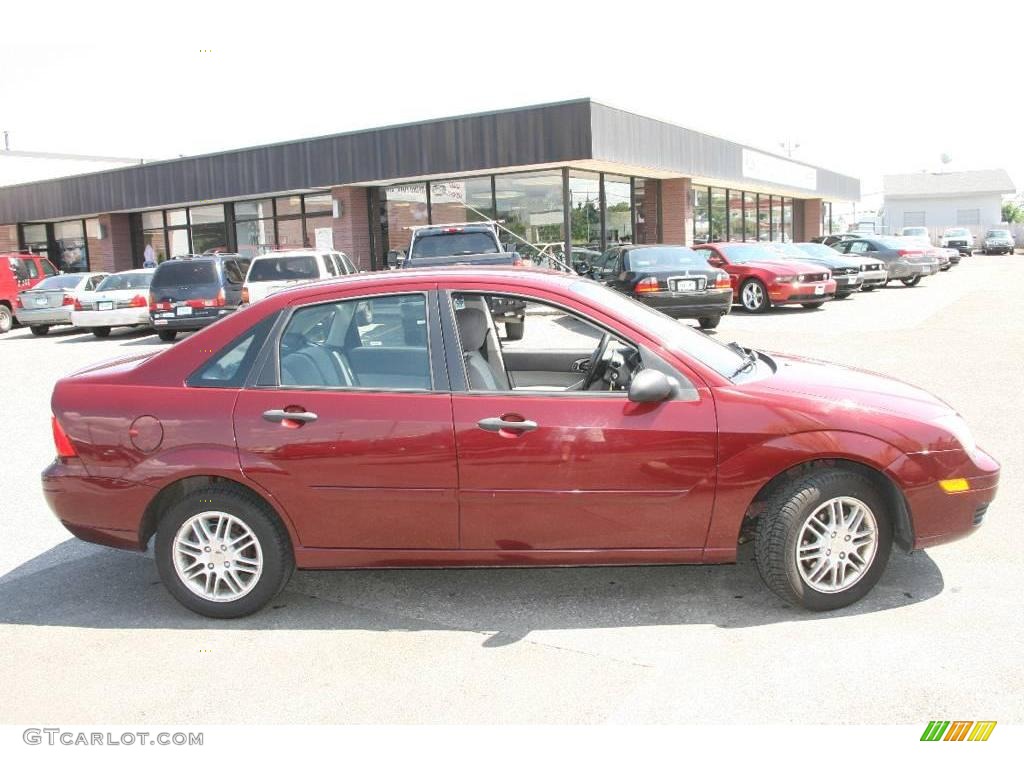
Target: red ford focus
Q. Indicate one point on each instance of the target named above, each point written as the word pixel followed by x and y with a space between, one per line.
pixel 379 421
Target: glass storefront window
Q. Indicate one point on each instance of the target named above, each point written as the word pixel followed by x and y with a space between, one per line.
pixel 618 220
pixel 254 209
pixel 701 215
pixel 72 254
pixel 826 218
pixel 776 218
pixel 319 203
pixel 787 219
pixel 289 233
pixel 459 200
pixel 319 227
pixel 719 215
pixel 206 214
pixel 735 216
pixel 289 206
pixel 254 236
pixel 531 205
pixel 750 216
pixel 36 239
pixel 154 247
pixel 405 205
pixel 178 242
pixel 153 220
pixel 645 193
pixel 764 217
pixel 177 218
pixel 585 209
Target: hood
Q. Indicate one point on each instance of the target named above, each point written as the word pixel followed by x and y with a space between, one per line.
pixel 785 266
pixel 852 389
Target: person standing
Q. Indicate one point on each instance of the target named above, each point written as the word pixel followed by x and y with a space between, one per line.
pixel 149 256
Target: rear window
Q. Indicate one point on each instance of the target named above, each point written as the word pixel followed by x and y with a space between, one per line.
pixel 454 244
pixel 185 273
pixel 283 268
pixel 125 282
pixel 656 259
pixel 58 282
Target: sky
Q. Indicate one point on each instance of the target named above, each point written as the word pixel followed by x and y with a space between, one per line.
pixel 864 88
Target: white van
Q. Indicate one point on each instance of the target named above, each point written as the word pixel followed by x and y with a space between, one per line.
pixel 275 270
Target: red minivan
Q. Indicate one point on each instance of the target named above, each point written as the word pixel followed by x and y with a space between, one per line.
pixel 19 272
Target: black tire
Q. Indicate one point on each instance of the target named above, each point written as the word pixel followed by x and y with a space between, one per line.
pixel 776 539
pixel 101 331
pixel 707 323
pixel 167 335
pixel 39 330
pixel 755 308
pixel 947 267
pixel 514 331
pixel 843 295
pixel 910 282
pixel 278 557
pixel 812 304
pixel 6 318
pixel 868 288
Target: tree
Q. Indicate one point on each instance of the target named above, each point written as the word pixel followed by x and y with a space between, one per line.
pixel 1013 212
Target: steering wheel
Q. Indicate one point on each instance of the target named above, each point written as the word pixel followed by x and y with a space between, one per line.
pixel 593 372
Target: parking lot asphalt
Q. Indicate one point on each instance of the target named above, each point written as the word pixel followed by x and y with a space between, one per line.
pixel 90 636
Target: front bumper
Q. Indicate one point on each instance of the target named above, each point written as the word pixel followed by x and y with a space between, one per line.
pixel 797 293
pixel 44 316
pixel 102 510
pixel 1000 248
pixel 712 302
pixel 110 318
pixel 848 283
pixel 874 277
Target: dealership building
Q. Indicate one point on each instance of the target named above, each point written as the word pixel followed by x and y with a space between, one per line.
pixel 578 173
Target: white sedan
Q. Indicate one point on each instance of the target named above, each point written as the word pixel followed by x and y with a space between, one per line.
pixel 120 300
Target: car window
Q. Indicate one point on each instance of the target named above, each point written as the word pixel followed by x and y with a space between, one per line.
pixel 180 273
pixel 284 268
pixel 48 268
pixel 30 268
pixel 330 268
pixel 856 246
pixel 233 272
pixel 229 367
pixel 347 266
pixel 372 343
pixel 58 282
pixel 125 281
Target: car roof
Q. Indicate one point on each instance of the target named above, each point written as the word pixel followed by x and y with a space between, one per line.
pixel 295 252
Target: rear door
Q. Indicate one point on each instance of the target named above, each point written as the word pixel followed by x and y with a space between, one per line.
pixel 351 425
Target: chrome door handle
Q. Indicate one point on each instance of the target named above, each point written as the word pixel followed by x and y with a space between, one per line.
pixel 581 365
pixel 496 424
pixel 278 415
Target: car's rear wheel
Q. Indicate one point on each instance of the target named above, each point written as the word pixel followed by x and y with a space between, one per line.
pixel 824 539
pixel 223 553
pixel 843 295
pixel 910 282
pixel 6 318
pixel 868 288
pixel 707 323
pixel 166 335
pixel 39 330
pixel 101 332
pixel 812 304
pixel 514 331
pixel 754 296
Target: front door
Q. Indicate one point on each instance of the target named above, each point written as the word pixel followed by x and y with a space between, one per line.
pixel 589 469
pixel 355 440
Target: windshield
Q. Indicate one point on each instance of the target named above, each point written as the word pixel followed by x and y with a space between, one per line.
pixel 126 281
pixel 663 258
pixel 673 335
pixel 915 231
pixel 956 232
pixel 741 254
pixel 817 249
pixel 788 250
pixel 998 233
pixel 283 268
pixel 185 273
pixel 453 244
pixel 58 282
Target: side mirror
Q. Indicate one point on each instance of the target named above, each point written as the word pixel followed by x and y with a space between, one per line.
pixel 651 386
pixel 583 268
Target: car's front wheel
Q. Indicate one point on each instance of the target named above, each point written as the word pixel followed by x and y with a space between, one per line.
pixel 868 288
pixel 754 296
pixel 910 282
pixel 222 553
pixel 824 539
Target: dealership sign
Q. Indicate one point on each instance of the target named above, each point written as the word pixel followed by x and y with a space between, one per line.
pixel 757 165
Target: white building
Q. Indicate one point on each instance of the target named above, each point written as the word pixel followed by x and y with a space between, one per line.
pixel 971 199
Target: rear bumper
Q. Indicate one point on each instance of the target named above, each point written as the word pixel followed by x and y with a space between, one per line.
pixel 167 321
pixel 713 302
pixel 797 293
pixel 47 316
pixel 110 318
pixel 102 510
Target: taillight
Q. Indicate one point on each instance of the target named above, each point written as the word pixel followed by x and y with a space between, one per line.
pixel 245 294
pixel 65 450
pixel 77 305
pixel 68 300
pixel 722 280
pixel 647 285
pixel 138 301
pixel 17 303
pixel 908 253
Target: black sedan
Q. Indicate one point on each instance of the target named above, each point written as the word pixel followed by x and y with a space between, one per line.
pixel 670 278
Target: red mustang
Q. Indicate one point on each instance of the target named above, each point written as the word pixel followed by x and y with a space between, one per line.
pixel 380 421
pixel 760 278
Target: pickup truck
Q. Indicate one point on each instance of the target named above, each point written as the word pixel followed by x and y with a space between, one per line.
pixel 447 245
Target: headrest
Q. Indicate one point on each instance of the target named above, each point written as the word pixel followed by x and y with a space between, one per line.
pixel 473 328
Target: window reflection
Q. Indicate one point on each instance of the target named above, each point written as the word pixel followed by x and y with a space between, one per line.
pixel 72 254
pixel 461 200
pixel 531 205
pixel 735 216
pixel 585 209
pixel 701 215
pixel 719 215
pixel 645 194
pixel 618 209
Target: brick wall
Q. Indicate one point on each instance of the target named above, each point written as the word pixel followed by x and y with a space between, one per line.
pixel 676 212
pixel 113 252
pixel 8 237
pixel 352 229
pixel 808 220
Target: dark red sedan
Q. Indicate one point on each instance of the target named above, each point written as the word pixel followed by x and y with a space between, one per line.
pixel 380 421
pixel 761 278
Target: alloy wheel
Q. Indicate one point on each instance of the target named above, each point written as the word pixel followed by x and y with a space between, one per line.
pixel 837 544
pixel 753 296
pixel 217 556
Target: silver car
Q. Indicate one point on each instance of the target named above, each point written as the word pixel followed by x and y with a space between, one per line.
pixel 51 301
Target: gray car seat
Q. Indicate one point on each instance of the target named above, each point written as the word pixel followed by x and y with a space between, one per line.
pixel 473 332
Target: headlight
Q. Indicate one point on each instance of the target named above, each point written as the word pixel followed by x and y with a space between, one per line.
pixel 958 428
pixel 785 279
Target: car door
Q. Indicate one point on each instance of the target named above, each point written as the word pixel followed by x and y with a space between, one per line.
pixel 589 469
pixel 350 427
